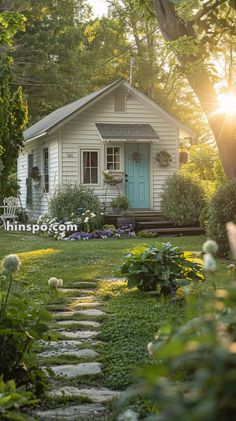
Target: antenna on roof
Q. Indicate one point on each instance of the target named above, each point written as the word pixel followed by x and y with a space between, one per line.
pixel 131 69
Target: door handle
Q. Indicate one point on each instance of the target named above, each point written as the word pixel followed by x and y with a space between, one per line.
pixel 126 180
pixel 126 175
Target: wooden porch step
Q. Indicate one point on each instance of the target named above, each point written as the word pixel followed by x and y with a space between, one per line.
pixel 152 223
pixel 175 231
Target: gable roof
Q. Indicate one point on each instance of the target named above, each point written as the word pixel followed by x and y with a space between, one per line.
pixel 60 116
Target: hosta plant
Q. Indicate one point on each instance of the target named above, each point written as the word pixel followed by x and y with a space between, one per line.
pixel 164 269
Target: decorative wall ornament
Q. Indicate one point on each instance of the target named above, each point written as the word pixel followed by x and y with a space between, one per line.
pixel 136 156
pixel 164 158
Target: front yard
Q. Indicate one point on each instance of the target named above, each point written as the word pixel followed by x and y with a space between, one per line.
pixel 133 317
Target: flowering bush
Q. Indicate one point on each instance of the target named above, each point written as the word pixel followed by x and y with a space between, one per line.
pixel 70 199
pixel 123 232
pixel 85 220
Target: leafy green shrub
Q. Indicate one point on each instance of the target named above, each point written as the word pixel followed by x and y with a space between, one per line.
pixel 71 200
pixel 167 269
pixel 195 378
pixel 222 209
pixel 13 398
pixel 21 325
pixel 182 200
pixel 120 202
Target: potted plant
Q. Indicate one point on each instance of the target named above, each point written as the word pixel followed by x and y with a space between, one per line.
pixel 120 204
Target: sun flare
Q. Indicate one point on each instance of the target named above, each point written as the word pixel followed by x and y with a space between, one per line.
pixel 227 103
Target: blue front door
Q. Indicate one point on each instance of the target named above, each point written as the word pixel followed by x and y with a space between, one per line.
pixel 137 170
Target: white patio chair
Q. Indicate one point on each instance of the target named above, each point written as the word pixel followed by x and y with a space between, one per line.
pixel 10 206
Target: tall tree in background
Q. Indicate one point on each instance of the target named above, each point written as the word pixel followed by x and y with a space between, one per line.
pixel 13 107
pixel 60 56
pixel 195 29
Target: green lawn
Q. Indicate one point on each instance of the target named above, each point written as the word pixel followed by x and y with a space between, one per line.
pixel 133 317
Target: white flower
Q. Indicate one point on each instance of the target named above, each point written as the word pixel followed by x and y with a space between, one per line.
pixel 210 246
pixel 11 263
pixel 150 349
pixel 60 283
pixel 231 267
pixel 128 415
pixel 209 263
pixel 93 215
pixel 86 220
pixel 53 282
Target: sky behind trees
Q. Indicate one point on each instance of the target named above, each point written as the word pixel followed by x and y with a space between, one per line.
pixel 99 7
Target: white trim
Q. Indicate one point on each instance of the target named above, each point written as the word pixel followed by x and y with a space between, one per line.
pixel 105 160
pixel 60 140
pixel 80 170
pixel 36 137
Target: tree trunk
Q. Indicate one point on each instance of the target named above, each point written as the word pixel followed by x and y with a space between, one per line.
pixel 223 128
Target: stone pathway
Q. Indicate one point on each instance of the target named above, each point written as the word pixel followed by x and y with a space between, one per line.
pixel 77 341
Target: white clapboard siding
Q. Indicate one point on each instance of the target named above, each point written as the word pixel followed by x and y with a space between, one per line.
pixel 40 199
pixel 81 133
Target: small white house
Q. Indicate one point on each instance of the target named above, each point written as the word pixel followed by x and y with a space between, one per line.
pixel 117 128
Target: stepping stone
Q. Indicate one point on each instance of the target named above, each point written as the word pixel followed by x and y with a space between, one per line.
pixel 91 312
pixel 81 353
pixel 74 413
pixel 77 323
pixel 73 370
pixel 85 284
pixel 90 304
pixel 112 279
pixel 67 313
pixel 97 395
pixel 69 290
pixel 61 347
pixel 86 297
pixel 81 334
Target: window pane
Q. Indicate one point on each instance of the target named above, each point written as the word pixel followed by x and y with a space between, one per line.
pixel 46 170
pixel 90 167
pixel 94 176
pixel 86 176
pixel 94 159
pixel 86 159
pixel 117 150
pixel 109 151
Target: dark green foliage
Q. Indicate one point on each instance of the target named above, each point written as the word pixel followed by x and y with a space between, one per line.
pixel 195 378
pixel 13 118
pixel 222 209
pixel 21 325
pixel 163 270
pixel 182 200
pixel 12 398
pixel 72 199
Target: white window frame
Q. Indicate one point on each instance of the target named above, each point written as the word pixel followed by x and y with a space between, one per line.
pixel 113 146
pixel 82 150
